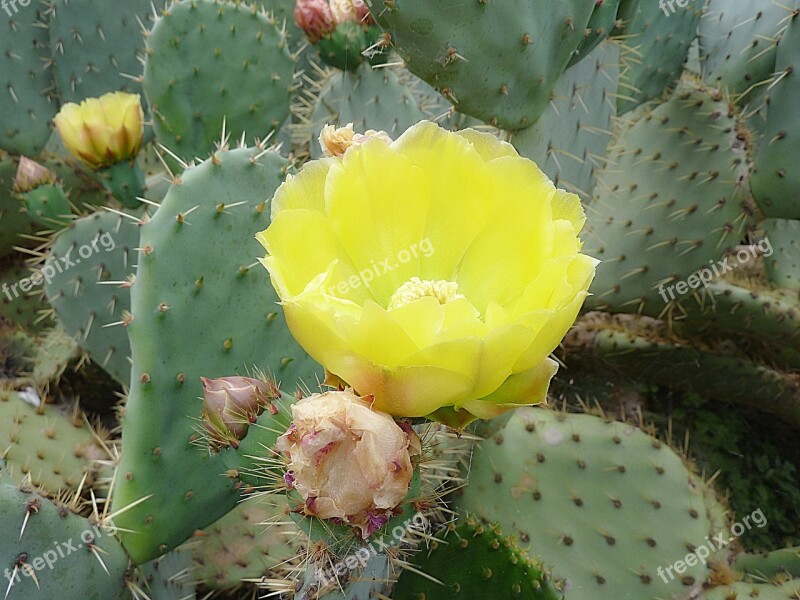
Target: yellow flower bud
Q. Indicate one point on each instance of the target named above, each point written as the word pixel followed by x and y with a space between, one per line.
pixel 102 131
pixel 444 270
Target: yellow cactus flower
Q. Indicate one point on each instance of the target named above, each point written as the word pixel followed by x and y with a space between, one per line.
pixel 435 273
pixel 102 131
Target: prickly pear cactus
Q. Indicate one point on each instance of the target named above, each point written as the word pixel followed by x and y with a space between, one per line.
pixel 48 552
pixel 536 41
pixel 608 507
pixel 199 308
pixel 211 65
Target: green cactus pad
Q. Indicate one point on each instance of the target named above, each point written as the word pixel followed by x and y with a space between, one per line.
pixel 86 299
pixel 201 306
pixel 14 220
pixel 789 590
pixel 783 265
pixel 603 503
pixel 15 305
pixel 248 543
pixel 497 61
pixel 474 561
pixel 601 24
pixel 48 205
pixel 211 63
pixel 670 202
pixel 776 180
pixel 569 141
pixel 25 80
pixel 656 43
pixel 738 44
pixel 53 449
pixel 96 46
pixel 170 577
pixel 369 98
pixel 768 565
pixel 70 556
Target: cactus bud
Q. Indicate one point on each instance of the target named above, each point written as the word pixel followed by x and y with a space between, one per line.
pixel 231 404
pixel 347 461
pixel 315 18
pixel 31 175
pixel 335 141
pixel 102 132
pixel 351 10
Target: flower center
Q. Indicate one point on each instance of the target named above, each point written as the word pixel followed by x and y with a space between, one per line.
pixel 416 288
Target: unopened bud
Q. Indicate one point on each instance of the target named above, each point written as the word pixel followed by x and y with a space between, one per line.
pixel 31 175
pixel 335 141
pixel 315 18
pixel 232 404
pixel 351 10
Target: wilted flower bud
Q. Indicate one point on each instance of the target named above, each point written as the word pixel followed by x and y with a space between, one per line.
pixel 351 10
pixel 315 18
pixel 104 131
pixel 233 403
pixel 347 461
pixel 31 175
pixel 335 141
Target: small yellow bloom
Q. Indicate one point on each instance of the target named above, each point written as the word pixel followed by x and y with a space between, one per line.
pixel 435 273
pixel 102 131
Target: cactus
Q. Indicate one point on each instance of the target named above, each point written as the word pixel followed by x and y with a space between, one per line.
pixel 775 183
pixel 92 295
pixel 579 117
pixel 535 39
pixel 770 565
pixel 557 483
pixel 169 577
pixel 199 78
pixel 97 55
pixel 252 541
pixel 369 98
pixel 48 552
pixel 783 265
pixel 48 205
pixel 475 560
pixel 656 45
pixel 27 83
pixel 788 590
pixel 14 221
pixel 52 450
pixel 186 322
pixel 682 210
pixel 601 24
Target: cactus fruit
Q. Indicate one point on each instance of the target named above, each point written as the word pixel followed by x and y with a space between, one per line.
pixel 51 449
pixel 211 65
pixel 474 560
pixel 91 297
pixel 671 200
pixel 510 85
pixel 557 483
pixel 47 552
pixel 209 314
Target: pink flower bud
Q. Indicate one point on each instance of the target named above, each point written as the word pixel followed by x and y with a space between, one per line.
pixel 233 403
pixel 347 461
pixel 31 175
pixel 315 18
